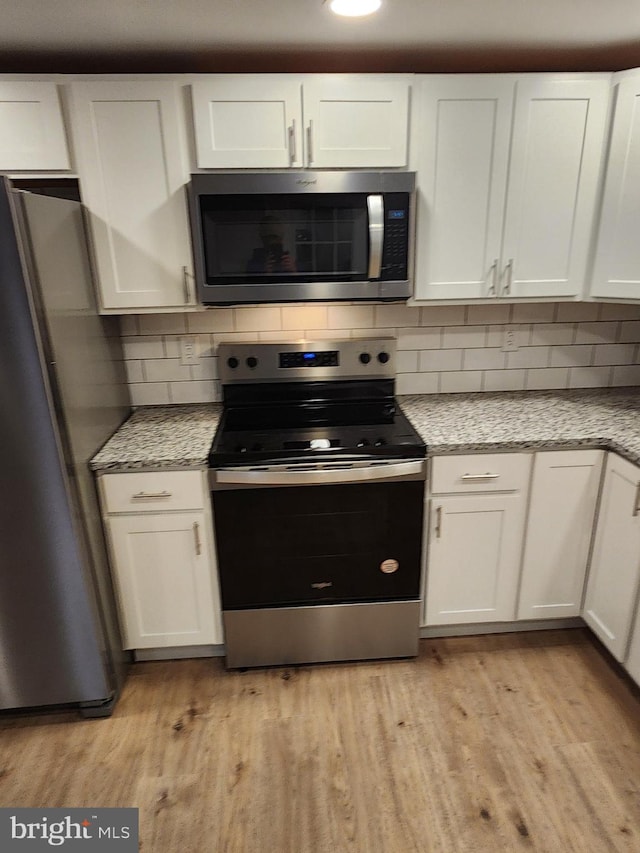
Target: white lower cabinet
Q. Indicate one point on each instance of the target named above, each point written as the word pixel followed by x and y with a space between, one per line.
pixel 475 538
pixel 163 561
pixel 614 575
pixel 632 663
pixel 564 493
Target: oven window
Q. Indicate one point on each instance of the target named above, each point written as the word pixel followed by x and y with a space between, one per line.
pixel 318 544
pixel 290 238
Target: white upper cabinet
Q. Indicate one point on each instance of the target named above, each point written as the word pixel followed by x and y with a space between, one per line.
pixel 564 492
pixel 281 121
pixel 462 153
pixel 247 122
pixel 508 172
pixel 355 122
pixel 32 134
pixel 614 575
pixel 556 156
pixel 617 266
pixel 133 173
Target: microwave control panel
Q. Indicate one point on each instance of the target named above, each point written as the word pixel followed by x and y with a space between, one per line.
pixel 396 236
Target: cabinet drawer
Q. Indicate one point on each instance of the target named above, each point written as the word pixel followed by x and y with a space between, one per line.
pixel 152 491
pixel 480 472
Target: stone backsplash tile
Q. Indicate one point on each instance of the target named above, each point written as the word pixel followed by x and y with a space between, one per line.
pixel 440 348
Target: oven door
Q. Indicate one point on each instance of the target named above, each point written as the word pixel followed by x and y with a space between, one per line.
pixel 319 565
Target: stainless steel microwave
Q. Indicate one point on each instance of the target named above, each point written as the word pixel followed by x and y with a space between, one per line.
pixel 302 236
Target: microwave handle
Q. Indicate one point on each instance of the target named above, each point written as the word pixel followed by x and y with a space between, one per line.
pixel 375 210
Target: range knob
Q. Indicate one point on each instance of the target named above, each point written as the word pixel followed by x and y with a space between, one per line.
pixel 365 358
pixel 364 442
pixel 380 442
pixel 252 362
pixel 383 357
pixel 233 362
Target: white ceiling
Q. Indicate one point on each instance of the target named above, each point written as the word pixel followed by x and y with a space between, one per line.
pixel 413 28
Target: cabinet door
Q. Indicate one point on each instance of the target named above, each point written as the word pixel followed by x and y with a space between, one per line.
pixel 612 587
pixel 554 167
pixel 351 122
pixel 164 567
pixel 474 558
pixel 133 172
pixel 462 173
pixel 617 265
pixel 564 492
pixel 632 663
pixel 247 122
pixel 32 134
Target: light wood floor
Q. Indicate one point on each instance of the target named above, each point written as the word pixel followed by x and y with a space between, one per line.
pixel 511 742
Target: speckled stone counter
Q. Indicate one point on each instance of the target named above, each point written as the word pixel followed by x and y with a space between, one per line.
pixel 161 437
pixel 603 418
pixel 180 436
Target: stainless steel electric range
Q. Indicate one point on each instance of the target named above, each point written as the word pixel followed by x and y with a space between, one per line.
pixel 317 482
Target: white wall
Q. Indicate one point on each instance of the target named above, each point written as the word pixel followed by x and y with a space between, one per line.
pixel 441 348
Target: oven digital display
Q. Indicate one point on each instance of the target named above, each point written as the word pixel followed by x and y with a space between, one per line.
pixel 327 358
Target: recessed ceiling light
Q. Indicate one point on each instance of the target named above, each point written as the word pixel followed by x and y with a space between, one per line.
pixel 354 8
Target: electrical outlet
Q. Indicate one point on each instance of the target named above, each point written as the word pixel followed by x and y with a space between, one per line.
pixel 188 350
pixel 510 340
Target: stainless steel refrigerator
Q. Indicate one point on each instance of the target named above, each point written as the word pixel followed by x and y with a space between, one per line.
pixel 62 394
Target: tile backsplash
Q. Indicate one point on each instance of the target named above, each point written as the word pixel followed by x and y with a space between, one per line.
pixel 440 348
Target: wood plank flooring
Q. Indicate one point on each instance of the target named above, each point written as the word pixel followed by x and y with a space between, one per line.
pixel 503 743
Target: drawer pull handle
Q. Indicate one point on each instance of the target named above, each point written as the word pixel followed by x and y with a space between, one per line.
pixel 480 476
pixel 292 142
pixel 438 522
pixel 636 508
pixel 150 496
pixel 196 533
pixel 493 269
pixel 186 282
pixel 310 143
pixel 508 274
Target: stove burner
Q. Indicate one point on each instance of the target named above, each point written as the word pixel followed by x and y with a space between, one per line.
pixel 342 408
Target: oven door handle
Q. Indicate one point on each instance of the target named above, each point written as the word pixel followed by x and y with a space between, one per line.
pixel 375 210
pixel 222 477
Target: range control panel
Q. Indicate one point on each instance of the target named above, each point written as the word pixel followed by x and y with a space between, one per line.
pixel 364 358
pixel 324 358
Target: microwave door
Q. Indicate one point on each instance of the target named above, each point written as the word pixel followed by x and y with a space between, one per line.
pixel 375 211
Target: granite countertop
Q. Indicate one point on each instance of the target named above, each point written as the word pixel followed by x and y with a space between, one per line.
pixel 606 418
pixel 161 437
pixel 180 436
